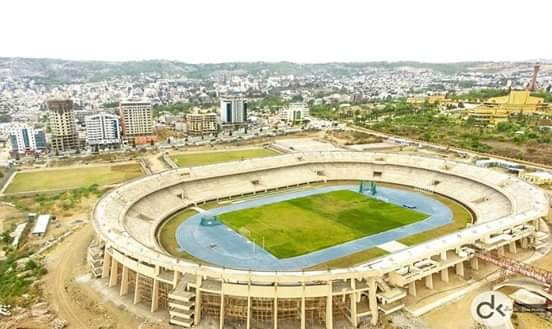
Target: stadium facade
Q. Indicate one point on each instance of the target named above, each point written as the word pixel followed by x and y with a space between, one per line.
pixel 509 213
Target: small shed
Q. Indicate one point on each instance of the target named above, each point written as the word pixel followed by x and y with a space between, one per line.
pixel 41 225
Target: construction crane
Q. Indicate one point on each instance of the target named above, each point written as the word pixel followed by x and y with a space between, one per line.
pixel 532 86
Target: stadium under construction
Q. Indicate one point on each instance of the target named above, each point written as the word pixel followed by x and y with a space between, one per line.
pixel 509 217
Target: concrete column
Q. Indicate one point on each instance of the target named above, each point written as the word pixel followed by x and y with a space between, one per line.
pixel 106 265
pixel 221 320
pixel 113 274
pixel 248 324
pixel 412 288
pixel 474 263
pixel 176 278
pixel 513 248
pixel 524 243
pixel 460 269
pixel 303 320
pixel 429 281
pixel 372 300
pixel 500 251
pixel 445 275
pixel 197 309
pixel 329 307
pixel 137 294
pixel 276 305
pixel 155 296
pixel 276 313
pixel 124 282
pixel 353 304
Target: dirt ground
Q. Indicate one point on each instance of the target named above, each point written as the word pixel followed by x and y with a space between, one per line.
pixel 539 153
pixel 78 303
pixel 9 216
pixel 457 315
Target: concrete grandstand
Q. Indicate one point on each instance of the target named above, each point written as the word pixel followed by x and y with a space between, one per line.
pixel 509 212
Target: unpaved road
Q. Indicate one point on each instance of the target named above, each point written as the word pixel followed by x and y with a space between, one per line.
pixel 79 303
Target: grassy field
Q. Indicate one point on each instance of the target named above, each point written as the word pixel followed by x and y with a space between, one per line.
pixel 205 158
pixel 350 260
pixel 71 178
pixel 167 234
pixel 460 215
pixel 299 226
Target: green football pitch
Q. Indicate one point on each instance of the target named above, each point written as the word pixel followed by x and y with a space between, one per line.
pixel 303 225
pixel 72 178
pixel 205 158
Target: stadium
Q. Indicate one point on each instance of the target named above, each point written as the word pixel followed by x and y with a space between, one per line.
pixel 250 254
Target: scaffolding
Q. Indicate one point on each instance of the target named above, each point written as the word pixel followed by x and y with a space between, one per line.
pixel 289 312
pixel 164 290
pixel 342 308
pixel 145 288
pixel 517 267
pixel 315 311
pixel 210 304
pixel 131 281
pixel 289 309
pixel 262 312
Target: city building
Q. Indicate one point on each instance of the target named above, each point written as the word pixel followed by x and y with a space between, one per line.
pixel 432 99
pixel 518 101
pixel 103 130
pixel 136 122
pixel 294 113
pixel 24 139
pixel 201 123
pixel 488 116
pixel 62 124
pixel 233 111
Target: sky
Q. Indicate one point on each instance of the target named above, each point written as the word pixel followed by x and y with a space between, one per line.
pixel 305 31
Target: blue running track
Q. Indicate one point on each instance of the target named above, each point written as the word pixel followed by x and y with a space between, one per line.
pixel 224 247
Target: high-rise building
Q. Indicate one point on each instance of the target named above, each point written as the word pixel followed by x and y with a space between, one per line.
pixel 233 111
pixel 294 112
pixel 136 121
pixel 103 130
pixel 24 139
pixel 198 123
pixel 62 124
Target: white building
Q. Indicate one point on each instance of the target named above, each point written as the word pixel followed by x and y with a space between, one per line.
pixel 294 112
pixel 136 120
pixel 103 130
pixel 41 225
pixel 233 111
pixel 201 123
pixel 25 139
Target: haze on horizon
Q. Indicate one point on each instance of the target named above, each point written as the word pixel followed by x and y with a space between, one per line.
pixel 210 31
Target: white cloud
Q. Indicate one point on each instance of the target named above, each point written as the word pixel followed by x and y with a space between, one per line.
pixel 274 30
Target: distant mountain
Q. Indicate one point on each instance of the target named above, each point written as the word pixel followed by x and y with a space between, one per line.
pixel 56 71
